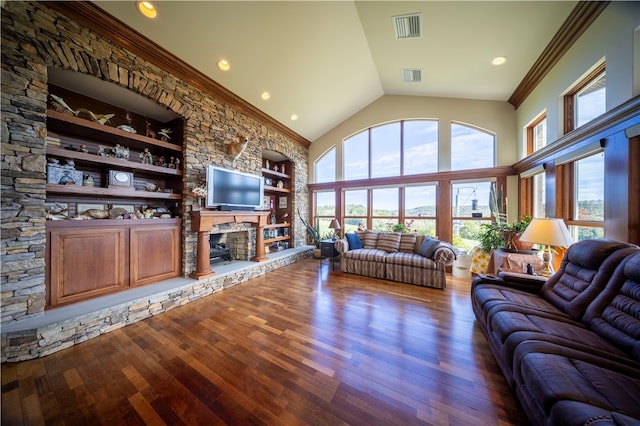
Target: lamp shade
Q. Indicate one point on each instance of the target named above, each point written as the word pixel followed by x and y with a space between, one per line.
pixel 334 224
pixel 549 232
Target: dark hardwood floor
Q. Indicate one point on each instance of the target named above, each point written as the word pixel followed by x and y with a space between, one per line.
pixel 302 345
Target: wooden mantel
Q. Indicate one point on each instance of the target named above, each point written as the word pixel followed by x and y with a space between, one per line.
pixel 203 220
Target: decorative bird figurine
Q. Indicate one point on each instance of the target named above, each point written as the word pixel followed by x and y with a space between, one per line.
pixel 60 102
pixel 99 118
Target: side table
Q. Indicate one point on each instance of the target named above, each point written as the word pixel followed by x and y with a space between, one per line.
pixel 328 251
pixel 505 261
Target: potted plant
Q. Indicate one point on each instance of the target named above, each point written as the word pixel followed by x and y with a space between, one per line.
pixel 494 235
pixel 314 235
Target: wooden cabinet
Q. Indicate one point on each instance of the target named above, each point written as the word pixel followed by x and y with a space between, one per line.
pixel 113 171
pixel 278 188
pixel 96 257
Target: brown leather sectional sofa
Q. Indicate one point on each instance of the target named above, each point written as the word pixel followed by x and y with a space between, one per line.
pixel 570 348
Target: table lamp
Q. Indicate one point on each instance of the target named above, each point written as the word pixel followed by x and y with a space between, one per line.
pixel 547 232
pixel 335 225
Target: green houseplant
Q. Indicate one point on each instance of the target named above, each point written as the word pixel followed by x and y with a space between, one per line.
pixel 494 235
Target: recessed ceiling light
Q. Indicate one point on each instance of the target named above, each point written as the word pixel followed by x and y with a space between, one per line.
pixel 224 65
pixel 265 95
pixel 499 60
pixel 294 117
pixel 147 9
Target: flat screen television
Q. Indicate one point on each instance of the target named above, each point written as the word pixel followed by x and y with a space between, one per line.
pixel 231 189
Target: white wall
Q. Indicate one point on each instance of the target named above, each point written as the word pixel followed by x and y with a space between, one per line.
pixel 494 116
pixel 610 37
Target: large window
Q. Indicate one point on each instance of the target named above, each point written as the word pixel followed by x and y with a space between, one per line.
pixel 537 134
pixel 471 148
pixel 539 195
pixel 420 142
pixel 586 100
pixel 588 205
pixel 420 209
pixel 385 150
pixel 325 211
pixel 355 209
pixel 394 149
pixel 325 167
pixel 470 206
pixel 355 152
pixel 385 208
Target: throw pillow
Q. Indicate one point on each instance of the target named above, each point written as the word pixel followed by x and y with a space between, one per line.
pixel 354 241
pixel 389 242
pixel 408 243
pixel 428 247
pixel 369 239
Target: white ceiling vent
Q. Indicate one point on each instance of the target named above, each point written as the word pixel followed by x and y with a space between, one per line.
pixel 408 26
pixel 411 75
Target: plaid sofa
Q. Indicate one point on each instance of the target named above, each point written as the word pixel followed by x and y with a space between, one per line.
pixel 395 256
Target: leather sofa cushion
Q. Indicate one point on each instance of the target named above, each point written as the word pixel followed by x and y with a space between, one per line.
pixel 615 313
pixel 584 272
pixel 553 378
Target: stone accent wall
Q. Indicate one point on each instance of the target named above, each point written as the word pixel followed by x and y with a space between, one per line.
pixel 35 38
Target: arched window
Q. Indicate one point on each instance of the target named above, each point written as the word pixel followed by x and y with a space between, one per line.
pixel 325 167
pixel 400 148
pixel 471 148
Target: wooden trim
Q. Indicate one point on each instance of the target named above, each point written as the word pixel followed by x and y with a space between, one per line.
pixel 618 119
pixel 98 20
pixel 414 179
pixel 581 17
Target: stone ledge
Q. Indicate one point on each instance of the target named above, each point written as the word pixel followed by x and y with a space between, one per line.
pixel 66 326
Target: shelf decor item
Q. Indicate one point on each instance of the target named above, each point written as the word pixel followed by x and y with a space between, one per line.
pixel 120 179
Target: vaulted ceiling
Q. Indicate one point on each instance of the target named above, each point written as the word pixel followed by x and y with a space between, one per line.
pixel 326 60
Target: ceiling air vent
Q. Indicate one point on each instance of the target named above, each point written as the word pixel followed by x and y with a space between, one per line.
pixel 412 75
pixel 408 26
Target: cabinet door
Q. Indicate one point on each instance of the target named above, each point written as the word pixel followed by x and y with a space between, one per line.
pixel 87 263
pixel 155 253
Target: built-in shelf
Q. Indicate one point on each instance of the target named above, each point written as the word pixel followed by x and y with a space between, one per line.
pixel 276 189
pixel 80 127
pixel 91 191
pixel 110 161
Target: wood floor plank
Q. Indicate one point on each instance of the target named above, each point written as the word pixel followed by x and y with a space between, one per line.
pixel 304 345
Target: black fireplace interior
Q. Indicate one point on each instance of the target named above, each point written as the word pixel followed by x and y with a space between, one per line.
pixel 218 252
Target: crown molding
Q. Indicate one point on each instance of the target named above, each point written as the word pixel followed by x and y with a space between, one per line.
pixel 99 21
pixel 580 18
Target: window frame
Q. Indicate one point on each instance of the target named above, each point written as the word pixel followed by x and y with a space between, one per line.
pixel 530 131
pixel 570 103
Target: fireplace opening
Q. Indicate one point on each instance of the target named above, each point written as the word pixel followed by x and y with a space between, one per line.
pixel 218 251
pixel 229 245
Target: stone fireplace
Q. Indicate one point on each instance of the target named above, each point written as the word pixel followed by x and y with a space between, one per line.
pixel 239 245
pixel 239 238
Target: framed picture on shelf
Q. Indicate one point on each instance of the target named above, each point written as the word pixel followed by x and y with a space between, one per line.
pixel 282 202
pixel 83 207
pixel 266 202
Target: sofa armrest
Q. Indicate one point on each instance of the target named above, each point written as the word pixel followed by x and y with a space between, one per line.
pixel 444 254
pixel 524 282
pixel 341 245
